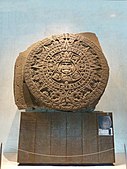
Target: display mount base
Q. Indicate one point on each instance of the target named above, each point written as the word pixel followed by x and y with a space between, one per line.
pixel 66 138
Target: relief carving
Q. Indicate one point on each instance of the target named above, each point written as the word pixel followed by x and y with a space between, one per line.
pixel 65 72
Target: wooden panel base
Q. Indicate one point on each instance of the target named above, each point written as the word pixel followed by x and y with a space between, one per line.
pixel 64 138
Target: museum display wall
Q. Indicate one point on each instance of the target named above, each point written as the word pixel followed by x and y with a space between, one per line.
pixel 23 23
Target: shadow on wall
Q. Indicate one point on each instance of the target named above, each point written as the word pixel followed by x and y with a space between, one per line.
pixel 11 145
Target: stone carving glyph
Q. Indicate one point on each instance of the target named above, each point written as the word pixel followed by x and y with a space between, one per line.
pixel 64 72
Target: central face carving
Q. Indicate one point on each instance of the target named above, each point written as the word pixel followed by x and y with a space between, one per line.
pixel 65 72
pixel 66 67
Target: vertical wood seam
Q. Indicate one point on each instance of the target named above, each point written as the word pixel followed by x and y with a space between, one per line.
pixel 81 115
pixel 50 126
pixel 35 135
pixel 66 133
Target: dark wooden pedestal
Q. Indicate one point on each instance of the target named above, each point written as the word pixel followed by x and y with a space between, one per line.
pixel 64 138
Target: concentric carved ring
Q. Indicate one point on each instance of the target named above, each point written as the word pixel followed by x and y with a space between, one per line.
pixel 66 72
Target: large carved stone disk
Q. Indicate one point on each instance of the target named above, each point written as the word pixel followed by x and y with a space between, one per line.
pixel 66 72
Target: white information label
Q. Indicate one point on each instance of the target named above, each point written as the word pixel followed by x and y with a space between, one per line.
pixel 105 132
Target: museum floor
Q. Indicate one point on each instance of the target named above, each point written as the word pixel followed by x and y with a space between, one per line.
pixel 9 162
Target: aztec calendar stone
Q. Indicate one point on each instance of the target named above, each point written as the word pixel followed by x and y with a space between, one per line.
pixel 64 72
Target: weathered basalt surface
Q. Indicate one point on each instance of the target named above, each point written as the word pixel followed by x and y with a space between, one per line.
pixel 65 72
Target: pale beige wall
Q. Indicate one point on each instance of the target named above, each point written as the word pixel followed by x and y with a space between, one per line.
pixel 25 22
